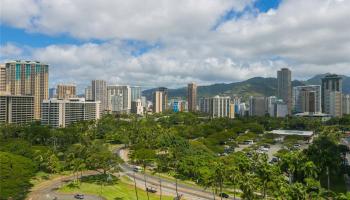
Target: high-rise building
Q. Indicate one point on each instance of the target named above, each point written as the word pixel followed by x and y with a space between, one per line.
pixel 119 98
pixel 61 113
pixel 257 106
pixel 332 95
pixel 52 93
pixel 204 105
pixel 66 91
pixel 192 97
pixel 16 109
pixel 346 104
pixel 270 105
pixel 284 87
pixel 88 93
pixel 281 109
pixel 217 106
pixel 164 91
pixel 307 99
pixel 29 78
pixel 136 107
pixel 3 88
pixel 99 93
pixel 158 102
pixel 135 93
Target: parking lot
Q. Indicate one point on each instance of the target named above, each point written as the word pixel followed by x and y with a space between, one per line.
pixel 272 148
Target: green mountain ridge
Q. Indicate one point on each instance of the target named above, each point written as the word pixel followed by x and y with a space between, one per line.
pixel 257 86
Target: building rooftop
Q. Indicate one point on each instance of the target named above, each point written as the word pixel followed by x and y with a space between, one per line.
pixel 293 132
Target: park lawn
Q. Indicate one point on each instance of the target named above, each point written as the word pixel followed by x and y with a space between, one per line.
pixel 121 190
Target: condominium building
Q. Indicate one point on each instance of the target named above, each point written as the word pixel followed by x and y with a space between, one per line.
pixel 280 109
pixel 119 98
pixel 307 99
pixel 270 105
pixel 332 95
pixel 217 106
pixel 164 92
pixel 158 101
pixel 284 87
pixel 257 106
pixel 16 109
pixel 3 88
pixel 136 107
pixel 88 93
pixel 52 93
pixel 99 93
pixel 66 91
pixel 61 113
pixel 346 104
pixel 192 97
pixel 135 93
pixel 29 78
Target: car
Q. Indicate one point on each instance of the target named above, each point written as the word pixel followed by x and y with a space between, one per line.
pixel 137 169
pixel 248 142
pixel 151 189
pixel 273 160
pixel 79 196
pixel 263 148
pixel 297 146
pixel 224 195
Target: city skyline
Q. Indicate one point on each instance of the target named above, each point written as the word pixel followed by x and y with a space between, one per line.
pixel 221 41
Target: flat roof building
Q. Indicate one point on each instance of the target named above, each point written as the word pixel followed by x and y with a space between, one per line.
pixel 16 109
pixel 61 113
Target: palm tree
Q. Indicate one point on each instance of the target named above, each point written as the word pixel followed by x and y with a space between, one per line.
pixel 144 157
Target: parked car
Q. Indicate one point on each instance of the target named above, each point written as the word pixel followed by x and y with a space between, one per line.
pixel 224 195
pixel 263 148
pixel 297 146
pixel 151 189
pixel 248 142
pixel 79 196
pixel 273 160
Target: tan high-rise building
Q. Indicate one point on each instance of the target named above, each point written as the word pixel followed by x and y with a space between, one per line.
pixel 158 102
pixel 30 78
pixel 66 91
pixel 332 95
pixel 3 88
pixel 192 97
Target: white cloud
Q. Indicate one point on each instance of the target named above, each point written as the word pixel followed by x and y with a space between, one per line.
pixel 310 37
pixel 10 50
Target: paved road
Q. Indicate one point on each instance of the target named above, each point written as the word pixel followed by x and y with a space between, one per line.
pixel 168 186
pixel 48 189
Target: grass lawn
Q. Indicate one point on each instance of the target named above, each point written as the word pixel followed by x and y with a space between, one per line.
pixel 121 189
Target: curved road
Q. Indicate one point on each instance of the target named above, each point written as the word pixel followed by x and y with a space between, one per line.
pixel 48 189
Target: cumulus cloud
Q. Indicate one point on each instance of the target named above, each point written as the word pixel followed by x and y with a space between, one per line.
pixel 10 50
pixel 310 37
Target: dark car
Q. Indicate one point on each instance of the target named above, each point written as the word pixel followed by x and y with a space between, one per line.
pixel 224 195
pixel 151 190
pixel 79 196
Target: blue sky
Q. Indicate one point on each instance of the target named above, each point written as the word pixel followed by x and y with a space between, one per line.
pixel 36 40
pixel 178 41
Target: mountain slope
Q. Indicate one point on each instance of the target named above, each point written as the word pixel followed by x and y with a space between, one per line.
pixel 257 86
pixel 316 80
